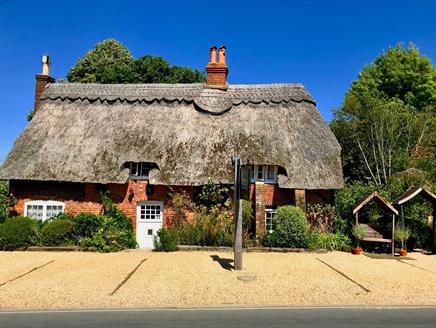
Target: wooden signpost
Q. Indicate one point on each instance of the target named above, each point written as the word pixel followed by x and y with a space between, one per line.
pixel 237 248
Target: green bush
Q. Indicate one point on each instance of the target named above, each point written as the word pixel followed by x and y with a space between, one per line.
pixel 57 233
pixel 291 229
pixel 87 224
pixel 110 237
pixel 210 227
pixel 167 240
pixel 17 232
pixel 6 200
pixel 329 241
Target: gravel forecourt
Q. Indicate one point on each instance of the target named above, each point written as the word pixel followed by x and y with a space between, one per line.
pixel 138 279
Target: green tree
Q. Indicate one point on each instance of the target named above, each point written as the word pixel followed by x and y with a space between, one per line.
pixel 111 62
pixel 386 123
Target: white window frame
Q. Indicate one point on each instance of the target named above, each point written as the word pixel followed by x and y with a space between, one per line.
pixel 44 204
pixel 255 170
pixel 151 203
pixel 138 174
pixel 269 211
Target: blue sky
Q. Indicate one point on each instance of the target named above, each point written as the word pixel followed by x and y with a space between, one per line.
pixel 322 44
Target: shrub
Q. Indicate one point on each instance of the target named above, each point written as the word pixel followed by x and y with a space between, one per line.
pixel 17 232
pixel 359 232
pixel 181 204
pixel 320 218
pixel 402 234
pixel 210 227
pixel 213 194
pixel 6 200
pixel 57 233
pixel 329 241
pixel 110 237
pixel 87 224
pixel 167 240
pixel 291 229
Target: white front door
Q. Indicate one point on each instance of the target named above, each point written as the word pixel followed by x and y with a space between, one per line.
pixel 149 219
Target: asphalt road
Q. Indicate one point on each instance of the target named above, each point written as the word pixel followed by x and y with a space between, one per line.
pixel 253 318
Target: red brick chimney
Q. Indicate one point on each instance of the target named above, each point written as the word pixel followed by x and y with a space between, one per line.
pixel 217 72
pixel 42 80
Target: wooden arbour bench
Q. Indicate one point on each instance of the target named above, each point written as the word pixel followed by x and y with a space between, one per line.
pixel 373 235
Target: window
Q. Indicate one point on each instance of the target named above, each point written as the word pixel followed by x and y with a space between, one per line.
pixel 43 209
pixel 151 212
pixel 140 170
pixel 266 173
pixel 269 220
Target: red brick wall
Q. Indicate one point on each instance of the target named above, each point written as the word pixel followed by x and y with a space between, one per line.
pixel 81 197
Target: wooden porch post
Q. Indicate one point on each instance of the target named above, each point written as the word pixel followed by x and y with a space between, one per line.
pixel 393 234
pixel 434 228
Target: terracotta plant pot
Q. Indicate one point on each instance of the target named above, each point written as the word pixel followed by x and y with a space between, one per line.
pixel 357 251
pixel 403 252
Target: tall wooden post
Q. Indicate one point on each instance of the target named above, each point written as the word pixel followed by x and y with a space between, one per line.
pixel 434 228
pixel 393 234
pixel 237 249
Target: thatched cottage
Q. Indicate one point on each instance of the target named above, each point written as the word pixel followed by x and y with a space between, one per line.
pixel 141 140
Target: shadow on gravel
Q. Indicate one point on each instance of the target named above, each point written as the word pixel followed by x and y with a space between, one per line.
pixel 225 263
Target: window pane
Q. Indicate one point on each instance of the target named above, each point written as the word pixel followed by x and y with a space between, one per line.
pixel 260 172
pixel 270 173
pixel 134 169
pixel 145 169
pixel 251 172
pixel 35 212
pixel 53 210
pixel 269 220
pixel 151 212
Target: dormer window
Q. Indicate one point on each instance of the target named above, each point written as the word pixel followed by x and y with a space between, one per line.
pixel 265 173
pixel 140 170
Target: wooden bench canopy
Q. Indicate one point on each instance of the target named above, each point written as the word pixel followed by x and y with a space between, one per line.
pixel 422 191
pixel 371 234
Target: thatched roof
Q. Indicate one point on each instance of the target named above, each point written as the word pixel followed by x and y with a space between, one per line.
pixel 86 132
pixel 412 192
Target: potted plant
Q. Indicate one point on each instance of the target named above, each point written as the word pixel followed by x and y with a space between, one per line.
pixel 402 234
pixel 359 232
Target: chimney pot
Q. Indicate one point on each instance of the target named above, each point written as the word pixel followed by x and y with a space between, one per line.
pixel 212 54
pixel 222 55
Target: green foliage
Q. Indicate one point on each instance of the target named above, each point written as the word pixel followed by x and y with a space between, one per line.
pixel 57 233
pixel 110 237
pixel 111 62
pixel 110 232
pixel 181 205
pixel 210 227
pixel 6 200
pixel 167 240
pixel 401 234
pixel 87 224
pixel 330 241
pixel 386 123
pixel 17 232
pixel 247 213
pixel 213 194
pixel 320 218
pixel 359 232
pixel 151 69
pixel 291 229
